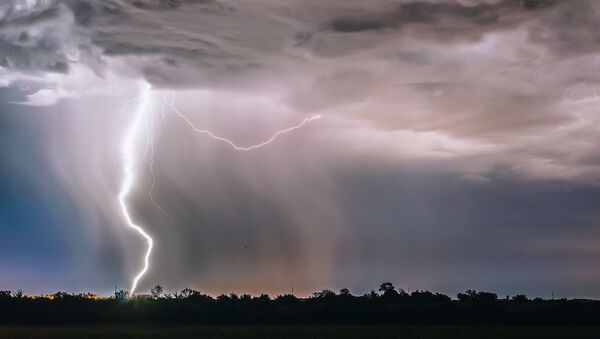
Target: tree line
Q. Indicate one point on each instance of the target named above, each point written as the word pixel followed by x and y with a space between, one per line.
pixel 387 305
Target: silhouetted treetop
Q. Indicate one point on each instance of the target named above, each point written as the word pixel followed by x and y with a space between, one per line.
pixel 189 306
pixel 474 296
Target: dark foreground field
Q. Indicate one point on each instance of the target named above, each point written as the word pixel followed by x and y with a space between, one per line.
pixel 297 332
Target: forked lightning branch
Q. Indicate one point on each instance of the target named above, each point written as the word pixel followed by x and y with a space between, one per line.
pixel 131 158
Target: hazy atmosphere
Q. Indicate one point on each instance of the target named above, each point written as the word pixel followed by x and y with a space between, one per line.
pixel 437 144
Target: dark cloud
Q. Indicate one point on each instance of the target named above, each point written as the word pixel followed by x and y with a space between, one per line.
pixel 40 55
pixel 572 30
pixel 85 11
pixel 23 50
pixel 168 4
pixel 166 29
pixel 446 19
pixel 351 26
pixel 11 18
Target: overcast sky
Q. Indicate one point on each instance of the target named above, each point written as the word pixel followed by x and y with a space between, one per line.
pixel 457 145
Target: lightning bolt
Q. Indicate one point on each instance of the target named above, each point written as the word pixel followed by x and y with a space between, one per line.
pixel 233 144
pixel 128 153
pixel 153 175
pixel 129 165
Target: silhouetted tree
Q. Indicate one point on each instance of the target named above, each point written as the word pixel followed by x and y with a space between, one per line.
pixel 371 295
pixel 324 307
pixel 474 296
pixel 520 298
pixel 263 298
pixel 156 291
pixel 326 293
pixel 287 299
pixel 188 293
pixel 422 296
pixel 426 296
pixel 389 291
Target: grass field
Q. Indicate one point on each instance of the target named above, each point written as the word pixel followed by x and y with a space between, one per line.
pixel 295 332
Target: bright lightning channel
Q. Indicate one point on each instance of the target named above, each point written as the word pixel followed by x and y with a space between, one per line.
pixel 129 164
pixel 231 143
pixel 153 176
